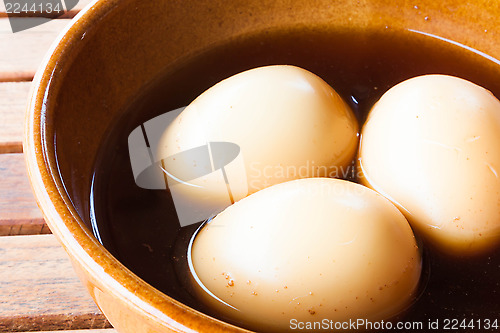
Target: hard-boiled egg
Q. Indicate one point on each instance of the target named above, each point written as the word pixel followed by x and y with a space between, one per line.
pixel 271 124
pixel 431 144
pixel 303 251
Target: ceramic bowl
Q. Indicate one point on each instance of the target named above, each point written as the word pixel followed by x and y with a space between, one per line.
pixel 112 50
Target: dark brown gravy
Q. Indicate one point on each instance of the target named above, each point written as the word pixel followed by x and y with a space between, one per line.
pixel 140 226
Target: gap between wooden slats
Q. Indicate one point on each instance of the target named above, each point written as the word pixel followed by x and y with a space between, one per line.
pixel 13 102
pixel 22 52
pixel 39 289
pixel 19 213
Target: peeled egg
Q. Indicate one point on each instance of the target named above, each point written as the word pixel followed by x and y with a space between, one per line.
pixel 258 128
pixel 431 145
pixel 306 250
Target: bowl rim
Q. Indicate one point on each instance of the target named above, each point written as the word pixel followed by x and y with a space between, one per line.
pixel 62 218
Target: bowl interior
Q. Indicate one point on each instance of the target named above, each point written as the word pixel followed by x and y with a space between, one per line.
pixel 112 54
pixel 109 63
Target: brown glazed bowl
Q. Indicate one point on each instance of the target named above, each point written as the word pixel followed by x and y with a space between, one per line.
pixel 114 48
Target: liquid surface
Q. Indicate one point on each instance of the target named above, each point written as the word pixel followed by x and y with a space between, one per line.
pixel 140 226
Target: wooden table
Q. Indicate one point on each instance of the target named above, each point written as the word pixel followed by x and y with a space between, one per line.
pixel 38 289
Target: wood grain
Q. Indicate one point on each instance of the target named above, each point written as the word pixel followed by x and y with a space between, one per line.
pixel 13 101
pixel 68 14
pixel 106 330
pixel 39 289
pixel 22 52
pixel 19 213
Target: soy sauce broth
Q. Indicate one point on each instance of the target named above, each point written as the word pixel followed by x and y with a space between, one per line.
pixel 140 226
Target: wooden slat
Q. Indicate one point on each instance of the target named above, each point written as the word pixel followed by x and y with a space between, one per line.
pixel 19 213
pixel 13 101
pixel 21 53
pixel 39 290
pixel 106 330
pixel 69 14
